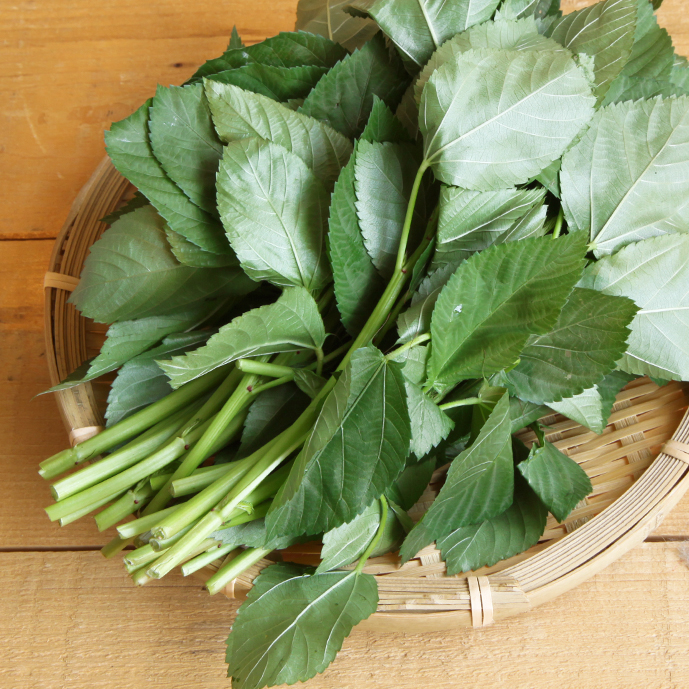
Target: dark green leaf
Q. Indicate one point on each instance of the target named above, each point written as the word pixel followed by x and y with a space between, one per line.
pixel 357 448
pixel 238 114
pixel 140 381
pixel 411 484
pixel 592 407
pixel 291 627
pixel 328 18
pixel 274 210
pixel 290 324
pixel 138 200
pixel 129 148
pixel 605 32
pixel 556 478
pixel 588 339
pixel 628 177
pixel 508 534
pixel 523 413
pixel 479 484
pixel 344 97
pixel 496 300
pixel 308 382
pixel 654 274
pixel 252 534
pixel 185 143
pixel 131 273
pixel 383 126
pixel 235 40
pixel 419 27
pixel 518 112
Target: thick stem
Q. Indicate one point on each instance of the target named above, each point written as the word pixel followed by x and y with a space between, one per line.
pixel 234 568
pixel 261 368
pixel 558 222
pixel 143 524
pixel 376 539
pixel 467 401
pixel 132 425
pixel 200 479
pixel 129 503
pixel 117 545
pixel 319 361
pixel 205 559
pixel 87 508
pixel 404 238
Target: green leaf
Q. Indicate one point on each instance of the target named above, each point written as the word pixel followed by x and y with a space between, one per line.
pixel 589 337
pixel 358 446
pixel 274 210
pixel 592 407
pixel 510 533
pixel 471 221
pixel 479 485
pixel 140 381
pixel 411 484
pixel 419 27
pixel 138 200
pixel 131 273
pixel 605 32
pixel 344 544
pixel 292 323
pixel 287 49
pixel 328 18
pixel 518 112
pixel 344 97
pixel 416 320
pixel 627 179
pixel 556 478
pixel 273 411
pixel 358 285
pixel 502 35
pixel 308 382
pixel 654 274
pixel 185 143
pixel 523 413
pixel 516 9
pixel 642 88
pixel 384 176
pixel 239 114
pixel 235 40
pixel 679 75
pixel 129 148
pixel 495 300
pixel 652 52
pixel 191 255
pixel 408 112
pixel 252 535
pixel 291 627
pixel 429 424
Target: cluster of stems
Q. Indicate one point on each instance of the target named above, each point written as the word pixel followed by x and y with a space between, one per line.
pixel 156 469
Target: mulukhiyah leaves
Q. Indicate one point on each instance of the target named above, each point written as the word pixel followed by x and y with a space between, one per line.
pixel 329 18
pixel 292 323
pixel 588 339
pixel 516 9
pixel 518 112
pixel 419 27
pixel 238 114
pixel 274 210
pixel 495 301
pixel 344 97
pixel 653 273
pixel 627 179
pixel 358 446
pixel 557 479
pixel 268 647
pixel 131 273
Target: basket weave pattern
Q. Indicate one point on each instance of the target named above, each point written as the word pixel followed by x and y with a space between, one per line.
pixel 638 473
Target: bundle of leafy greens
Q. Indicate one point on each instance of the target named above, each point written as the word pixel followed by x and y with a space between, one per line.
pixel 377 246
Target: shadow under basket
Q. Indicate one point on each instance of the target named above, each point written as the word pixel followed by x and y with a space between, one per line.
pixel 639 468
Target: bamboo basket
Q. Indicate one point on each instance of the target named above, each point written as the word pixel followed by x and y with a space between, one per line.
pixel 639 468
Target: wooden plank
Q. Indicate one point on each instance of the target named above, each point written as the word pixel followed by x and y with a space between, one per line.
pixel 74 620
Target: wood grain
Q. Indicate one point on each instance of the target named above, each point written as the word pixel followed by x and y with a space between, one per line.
pixel 90 630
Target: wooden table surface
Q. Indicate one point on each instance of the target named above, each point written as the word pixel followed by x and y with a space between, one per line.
pixel 70 619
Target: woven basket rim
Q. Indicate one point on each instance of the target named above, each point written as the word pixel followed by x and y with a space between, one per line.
pixel 558 567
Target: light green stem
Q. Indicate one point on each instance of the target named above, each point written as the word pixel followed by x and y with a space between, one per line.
pixel 558 222
pixel 205 559
pixel 234 568
pixel 117 545
pixel 376 539
pixel 143 524
pixel 199 480
pixel 409 217
pixel 467 401
pixel 129 503
pixel 260 368
pixel 87 508
pixel 425 337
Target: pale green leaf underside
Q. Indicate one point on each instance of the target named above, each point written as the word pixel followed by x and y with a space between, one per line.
pixel 495 300
pixel 292 627
pixel 185 143
pixel 516 9
pixel 328 18
pixel 493 119
pixel 510 533
pixel 419 27
pixel 642 88
pixel 189 254
pixel 479 483
pixel 654 274
pixel 557 479
pixel 238 114
pixel 627 179
pixel 500 35
pixel 131 273
pixel 291 323
pixel 605 32
pixel 589 337
pixel 358 446
pixel 274 210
